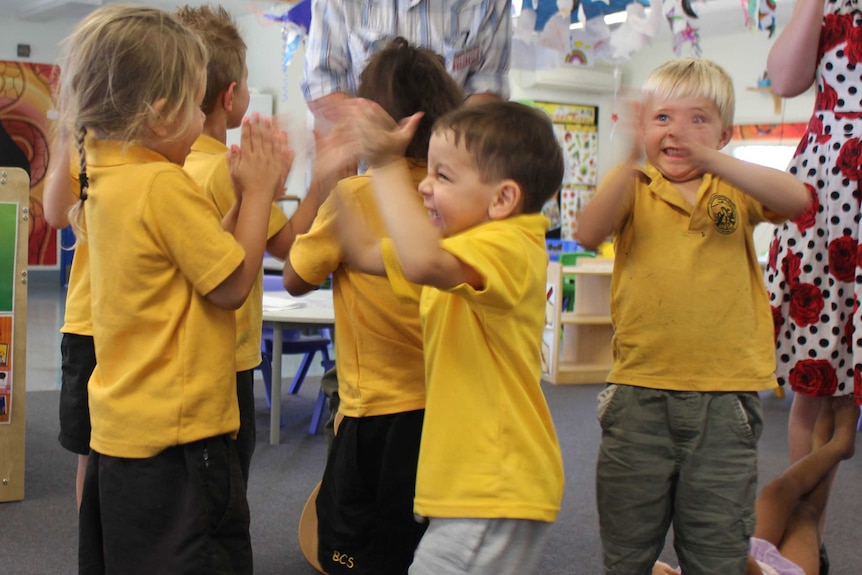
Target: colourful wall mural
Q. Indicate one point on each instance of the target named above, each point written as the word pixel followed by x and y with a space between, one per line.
pixel 26 102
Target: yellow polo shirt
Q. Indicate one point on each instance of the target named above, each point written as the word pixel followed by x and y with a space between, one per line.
pixel 77 318
pixel 489 448
pixel 378 341
pixel 166 359
pixel 207 165
pixel 688 303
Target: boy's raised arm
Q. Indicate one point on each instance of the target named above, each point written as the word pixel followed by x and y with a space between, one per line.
pixel 779 191
pixel 602 215
pixel 417 242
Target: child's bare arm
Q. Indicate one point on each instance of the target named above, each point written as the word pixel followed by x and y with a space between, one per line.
pixel 334 160
pixel 417 241
pixel 58 196
pixel 604 212
pixel 256 170
pixel 779 191
pixel 361 249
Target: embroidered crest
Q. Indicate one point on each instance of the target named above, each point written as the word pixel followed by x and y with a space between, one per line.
pixel 723 213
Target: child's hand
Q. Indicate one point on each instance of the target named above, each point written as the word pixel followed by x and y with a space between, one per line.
pixel 632 128
pixel 286 153
pixel 377 137
pixel 663 569
pixel 262 161
pixel 336 158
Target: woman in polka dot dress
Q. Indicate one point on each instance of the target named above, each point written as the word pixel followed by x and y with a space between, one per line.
pixel 813 279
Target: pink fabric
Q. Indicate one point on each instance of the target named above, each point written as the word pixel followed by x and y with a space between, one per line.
pixel 766 553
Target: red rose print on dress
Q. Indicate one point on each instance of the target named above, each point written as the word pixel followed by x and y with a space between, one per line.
pixel 827 98
pixel 814 377
pixel 790 267
pixel 853 50
pixel 850 159
pixel 807 218
pixel 842 258
pixel 777 320
pixel 806 303
pixel 857 386
pixel 835 29
pixel 848 327
pixel 772 262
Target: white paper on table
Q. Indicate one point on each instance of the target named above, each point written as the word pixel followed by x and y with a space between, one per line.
pixel 273 303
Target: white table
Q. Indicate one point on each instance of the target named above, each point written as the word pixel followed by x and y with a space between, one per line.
pixel 315 312
pixel 271 264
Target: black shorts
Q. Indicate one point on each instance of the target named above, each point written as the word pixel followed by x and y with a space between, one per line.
pixel 246 437
pixel 181 511
pixel 365 505
pixel 78 355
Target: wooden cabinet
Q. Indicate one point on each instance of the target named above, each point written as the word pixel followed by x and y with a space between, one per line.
pixel 576 345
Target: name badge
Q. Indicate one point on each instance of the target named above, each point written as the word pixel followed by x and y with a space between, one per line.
pixel 465 58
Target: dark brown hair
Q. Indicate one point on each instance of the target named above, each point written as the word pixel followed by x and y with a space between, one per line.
pixel 405 79
pixel 508 140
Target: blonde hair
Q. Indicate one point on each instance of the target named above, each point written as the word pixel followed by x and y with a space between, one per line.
pixel 225 45
pixel 120 61
pixel 694 77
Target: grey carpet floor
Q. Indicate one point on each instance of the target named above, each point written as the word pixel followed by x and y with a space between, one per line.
pixel 38 535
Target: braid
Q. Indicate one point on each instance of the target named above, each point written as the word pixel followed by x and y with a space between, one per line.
pixel 80 135
pixel 76 213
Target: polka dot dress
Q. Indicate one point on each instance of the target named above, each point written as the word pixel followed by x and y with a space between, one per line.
pixel 814 276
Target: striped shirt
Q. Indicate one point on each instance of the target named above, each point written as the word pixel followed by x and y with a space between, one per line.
pixel 474 37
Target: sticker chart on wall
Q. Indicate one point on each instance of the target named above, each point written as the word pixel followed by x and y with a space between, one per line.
pixel 8 243
pixel 576 128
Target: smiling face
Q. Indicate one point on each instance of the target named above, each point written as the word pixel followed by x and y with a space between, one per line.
pixel 453 191
pixel 670 124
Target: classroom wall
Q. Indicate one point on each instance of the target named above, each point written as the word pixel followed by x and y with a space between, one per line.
pixel 743 54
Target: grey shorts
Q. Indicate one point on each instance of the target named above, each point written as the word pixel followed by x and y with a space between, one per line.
pixel 480 547
pixel 682 458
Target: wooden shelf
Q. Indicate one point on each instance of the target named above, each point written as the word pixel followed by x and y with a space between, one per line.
pixel 574 318
pixel 576 345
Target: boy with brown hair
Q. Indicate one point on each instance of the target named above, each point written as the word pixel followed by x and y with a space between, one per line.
pixel 490 473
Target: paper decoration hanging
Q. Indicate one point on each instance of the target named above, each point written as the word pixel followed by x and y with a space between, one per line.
pixel 294 30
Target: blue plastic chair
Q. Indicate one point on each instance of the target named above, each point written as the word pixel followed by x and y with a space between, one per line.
pixel 294 343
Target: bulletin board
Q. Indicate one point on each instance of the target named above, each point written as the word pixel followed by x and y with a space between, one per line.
pixel 576 128
pixel 14 234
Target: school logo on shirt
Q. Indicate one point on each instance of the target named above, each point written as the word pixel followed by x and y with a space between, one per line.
pixel 723 213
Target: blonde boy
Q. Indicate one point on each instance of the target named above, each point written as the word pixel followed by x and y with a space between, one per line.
pixel 490 468
pixel 693 331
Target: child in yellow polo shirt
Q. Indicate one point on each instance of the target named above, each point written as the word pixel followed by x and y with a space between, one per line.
pixel 225 104
pixel 693 333
pixel 490 472
pixel 365 504
pixel 163 491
